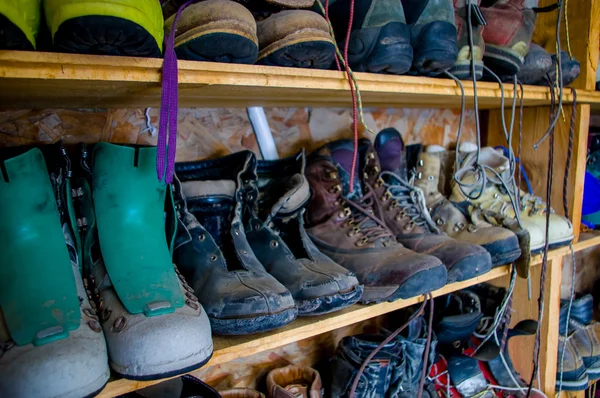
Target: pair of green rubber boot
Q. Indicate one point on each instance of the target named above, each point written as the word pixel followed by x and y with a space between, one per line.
pixel 108 27
pixel 86 277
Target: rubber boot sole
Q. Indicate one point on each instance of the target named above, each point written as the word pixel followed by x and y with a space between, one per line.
pixel 327 304
pixel 462 70
pixel 164 375
pixel 552 245
pixel 420 283
pixel 105 35
pixel 577 385
pixel 503 252
pixel 386 49
pixel 11 37
pixel 257 324
pixel 435 48
pixel 217 45
pixel 470 267
pixel 305 49
pixel 502 60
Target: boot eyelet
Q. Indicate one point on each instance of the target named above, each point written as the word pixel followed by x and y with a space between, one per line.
pixel 274 244
pixel 89 313
pixel 402 214
pixel 201 237
pixel 496 195
pixel 192 305
pixel 398 218
pixel 332 175
pixel 95 326
pixel 119 324
pixel 236 232
pixel 421 162
pixel 431 178
pixel 386 196
pixel 347 212
pixel 213 258
pixel 371 155
pixel 335 189
pixel 106 315
pixel 440 221
pixel 419 176
pixel 375 170
pixel 337 203
pixel 244 252
pixel 472 228
pixel 408 226
pixel 395 204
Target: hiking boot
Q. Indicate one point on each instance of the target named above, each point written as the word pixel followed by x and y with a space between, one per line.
pixel 295 38
pixel 495 201
pixel 186 386
pixel 277 236
pixel 433 35
pixel 294 381
pixel 344 226
pixel 212 251
pixel 51 344
pixel 108 27
pixel 153 324
pixel 507 35
pixel 461 224
pixel 537 63
pixel 585 333
pixel 19 24
pixel 380 39
pixel 241 393
pixel 402 207
pixel 574 375
pixel 217 31
pixel 462 67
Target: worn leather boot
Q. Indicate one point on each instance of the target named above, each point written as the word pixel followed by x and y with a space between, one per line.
pixel 461 224
pixel 495 203
pixel 462 67
pixel 344 226
pixel 402 207
pixel 510 25
pixel 213 253
pixel 51 343
pixel 294 382
pixel 433 35
pixel 277 236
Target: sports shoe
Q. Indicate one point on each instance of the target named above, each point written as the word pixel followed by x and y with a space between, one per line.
pixel 402 208
pixel 109 27
pixel 495 201
pixel 462 67
pixel 344 225
pixel 463 224
pixel 19 24
pixel 380 39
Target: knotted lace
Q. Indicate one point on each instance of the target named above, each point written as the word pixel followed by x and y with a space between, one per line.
pixel 366 223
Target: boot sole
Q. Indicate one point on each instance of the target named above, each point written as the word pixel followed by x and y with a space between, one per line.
pixel 593 373
pixel 11 37
pixel 243 326
pixel 553 245
pixel 327 304
pixel 385 49
pixel 420 283
pixel 577 385
pixel 435 47
pixel 502 60
pixel 309 48
pixel 164 375
pixel 105 35
pixel 503 252
pixel 506 258
pixel 470 267
pixel 462 70
pixel 217 45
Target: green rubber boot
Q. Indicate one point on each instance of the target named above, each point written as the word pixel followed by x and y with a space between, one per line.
pixel 51 343
pixel 19 24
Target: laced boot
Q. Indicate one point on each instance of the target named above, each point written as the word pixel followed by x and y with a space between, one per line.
pixel 51 343
pixel 213 253
pixel 294 381
pixel 380 39
pixel 510 25
pixel 153 324
pixel 20 22
pixel 403 209
pixel 343 225
pixel 462 67
pixel 462 224
pixel 277 236
pixel 494 200
pixel 433 35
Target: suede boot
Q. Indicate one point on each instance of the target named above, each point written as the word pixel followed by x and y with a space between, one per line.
pixel 344 226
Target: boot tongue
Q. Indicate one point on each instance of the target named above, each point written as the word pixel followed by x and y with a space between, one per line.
pixel 342 153
pixel 390 148
pixel 199 189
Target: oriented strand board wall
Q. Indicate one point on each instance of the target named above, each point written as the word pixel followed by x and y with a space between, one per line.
pixel 205 132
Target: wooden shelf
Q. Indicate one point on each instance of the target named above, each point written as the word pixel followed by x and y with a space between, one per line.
pixel 49 80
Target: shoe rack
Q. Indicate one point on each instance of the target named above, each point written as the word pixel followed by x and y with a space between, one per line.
pixel 47 80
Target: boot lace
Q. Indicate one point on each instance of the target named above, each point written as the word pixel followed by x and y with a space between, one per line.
pixel 410 199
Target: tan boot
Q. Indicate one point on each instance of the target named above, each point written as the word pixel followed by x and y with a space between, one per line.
pixel 294 382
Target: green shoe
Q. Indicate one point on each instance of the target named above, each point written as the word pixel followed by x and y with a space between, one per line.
pixel 19 24
pixel 108 27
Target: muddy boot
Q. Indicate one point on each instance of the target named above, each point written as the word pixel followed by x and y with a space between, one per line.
pixel 241 393
pixel 295 38
pixel 403 209
pixel 433 35
pixel 109 27
pixel 215 30
pixel 380 41
pixel 128 238
pixel 459 223
pixel 570 68
pixel 277 236
pixel 213 253
pixel 344 226
pixel 507 36
pixel 19 24
pixel 537 63
pixel 294 381
pixel 462 67
pixel 51 343
pixel 495 202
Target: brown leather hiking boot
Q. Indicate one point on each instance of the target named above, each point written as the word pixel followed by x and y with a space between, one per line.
pixel 463 224
pixel 403 209
pixel 294 382
pixel 343 225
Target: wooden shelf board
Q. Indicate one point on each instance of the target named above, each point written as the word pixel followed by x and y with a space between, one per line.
pixel 49 80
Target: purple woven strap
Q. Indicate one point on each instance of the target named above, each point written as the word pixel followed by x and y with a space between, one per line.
pixel 167 129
